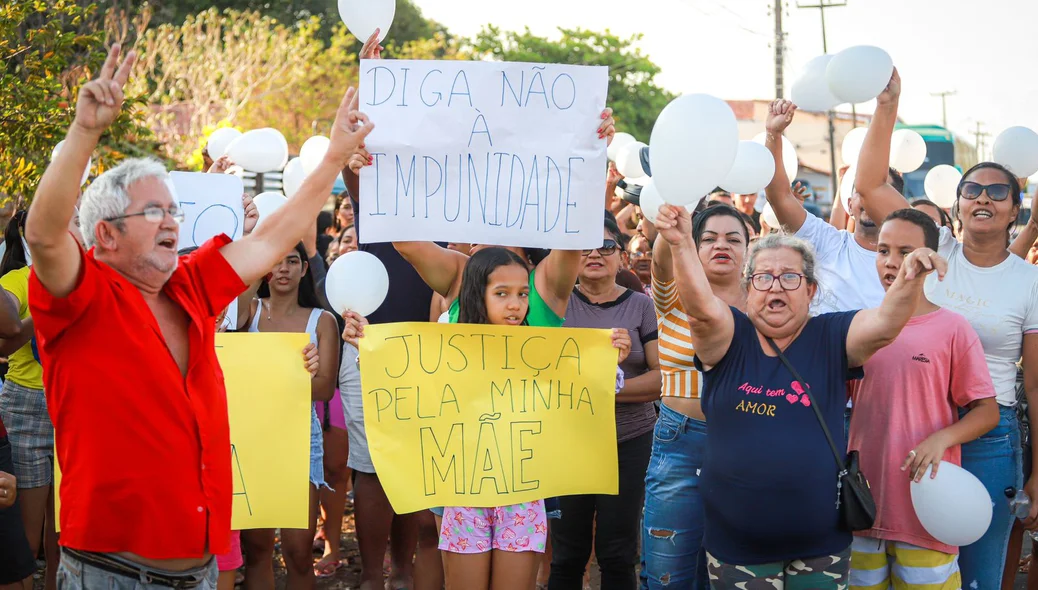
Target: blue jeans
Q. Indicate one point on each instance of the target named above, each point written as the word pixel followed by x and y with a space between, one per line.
pixel 74 574
pixel 995 459
pixel 672 532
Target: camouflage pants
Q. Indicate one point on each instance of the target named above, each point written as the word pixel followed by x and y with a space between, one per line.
pixel 829 572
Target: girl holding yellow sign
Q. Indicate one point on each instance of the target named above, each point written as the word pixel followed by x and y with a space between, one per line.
pixel 496 547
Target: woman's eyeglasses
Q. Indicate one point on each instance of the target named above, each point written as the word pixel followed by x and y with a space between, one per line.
pixel 608 249
pixel 996 192
pixel 789 281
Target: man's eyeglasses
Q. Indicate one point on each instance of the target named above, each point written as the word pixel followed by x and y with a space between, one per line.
pixel 996 192
pixel 789 281
pixel 154 214
pixel 608 249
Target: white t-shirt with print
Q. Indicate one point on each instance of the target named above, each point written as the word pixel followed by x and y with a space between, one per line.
pixel 1000 302
pixel 846 272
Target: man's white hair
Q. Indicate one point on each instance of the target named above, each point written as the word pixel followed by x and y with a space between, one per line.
pixel 108 195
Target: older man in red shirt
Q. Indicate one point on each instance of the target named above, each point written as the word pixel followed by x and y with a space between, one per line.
pixel 126 333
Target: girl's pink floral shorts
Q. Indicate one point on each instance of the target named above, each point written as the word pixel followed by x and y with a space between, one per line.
pixel 516 528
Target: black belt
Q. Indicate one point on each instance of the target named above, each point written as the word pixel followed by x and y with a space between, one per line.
pixel 144 574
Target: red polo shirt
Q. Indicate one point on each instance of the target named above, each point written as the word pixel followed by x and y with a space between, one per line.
pixel 144 452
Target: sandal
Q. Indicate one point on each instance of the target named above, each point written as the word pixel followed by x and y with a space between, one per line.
pixel 327 567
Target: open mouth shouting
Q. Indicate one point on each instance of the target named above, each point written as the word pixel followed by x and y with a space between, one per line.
pixel 167 243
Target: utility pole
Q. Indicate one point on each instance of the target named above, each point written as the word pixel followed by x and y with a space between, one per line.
pixel 821 6
pixel 944 105
pixel 979 140
pixel 780 47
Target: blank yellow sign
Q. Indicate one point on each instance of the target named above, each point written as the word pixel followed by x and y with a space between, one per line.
pixel 480 415
pixel 268 406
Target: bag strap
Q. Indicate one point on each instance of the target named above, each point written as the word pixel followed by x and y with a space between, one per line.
pixel 814 406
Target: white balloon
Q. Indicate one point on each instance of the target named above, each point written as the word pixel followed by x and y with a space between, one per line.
pixel 768 216
pixel 293 176
pixel 90 162
pixel 860 73
pixel 851 147
pixel 356 282
pixel 629 160
pixel 267 203
pixel 954 507
pixel 650 201
pixel 907 151
pixel 362 17
pixel 692 147
pixel 1016 148
pixel 753 169
pixel 259 150
pixel 790 161
pixel 940 185
pixel 219 140
pixel 847 188
pixel 313 152
pixel 640 180
pixel 620 141
pixel 811 90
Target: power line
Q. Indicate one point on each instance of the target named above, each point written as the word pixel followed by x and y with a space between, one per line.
pixel 944 105
pixel 821 6
pixel 699 9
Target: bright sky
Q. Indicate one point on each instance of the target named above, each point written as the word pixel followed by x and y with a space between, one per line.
pixel 981 49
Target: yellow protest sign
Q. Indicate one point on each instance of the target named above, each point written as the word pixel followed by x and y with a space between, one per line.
pixel 268 407
pixel 481 415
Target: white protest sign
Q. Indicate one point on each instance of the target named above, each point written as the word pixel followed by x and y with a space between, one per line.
pixel 484 152
pixel 211 204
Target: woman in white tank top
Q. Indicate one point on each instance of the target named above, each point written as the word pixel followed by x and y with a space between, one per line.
pixel 288 302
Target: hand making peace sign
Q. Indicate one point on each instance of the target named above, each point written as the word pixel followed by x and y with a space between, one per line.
pixel 100 100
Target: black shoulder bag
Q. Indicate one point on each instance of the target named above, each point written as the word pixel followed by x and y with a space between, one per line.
pixel 853 495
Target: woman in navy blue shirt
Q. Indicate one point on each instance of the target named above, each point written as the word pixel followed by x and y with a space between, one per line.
pixel 769 480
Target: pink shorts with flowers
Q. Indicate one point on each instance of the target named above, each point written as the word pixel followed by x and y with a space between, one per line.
pixel 516 528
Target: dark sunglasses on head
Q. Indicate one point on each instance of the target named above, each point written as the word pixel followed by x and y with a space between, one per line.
pixel 996 192
pixel 607 249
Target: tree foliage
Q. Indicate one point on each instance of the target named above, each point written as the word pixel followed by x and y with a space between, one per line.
pixel 214 65
pixel 47 55
pixel 635 98
pixel 408 25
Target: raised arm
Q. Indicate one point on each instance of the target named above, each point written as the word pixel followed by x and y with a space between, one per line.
pixel 440 268
pixel 254 255
pixel 788 209
pixel 555 277
pixel 350 173
pixel 838 216
pixel 872 329
pixel 1029 234
pixel 662 259
pixel 55 253
pixel 877 196
pixel 713 326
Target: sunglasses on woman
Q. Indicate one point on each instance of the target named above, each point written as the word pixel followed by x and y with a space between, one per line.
pixel 607 249
pixel 996 192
